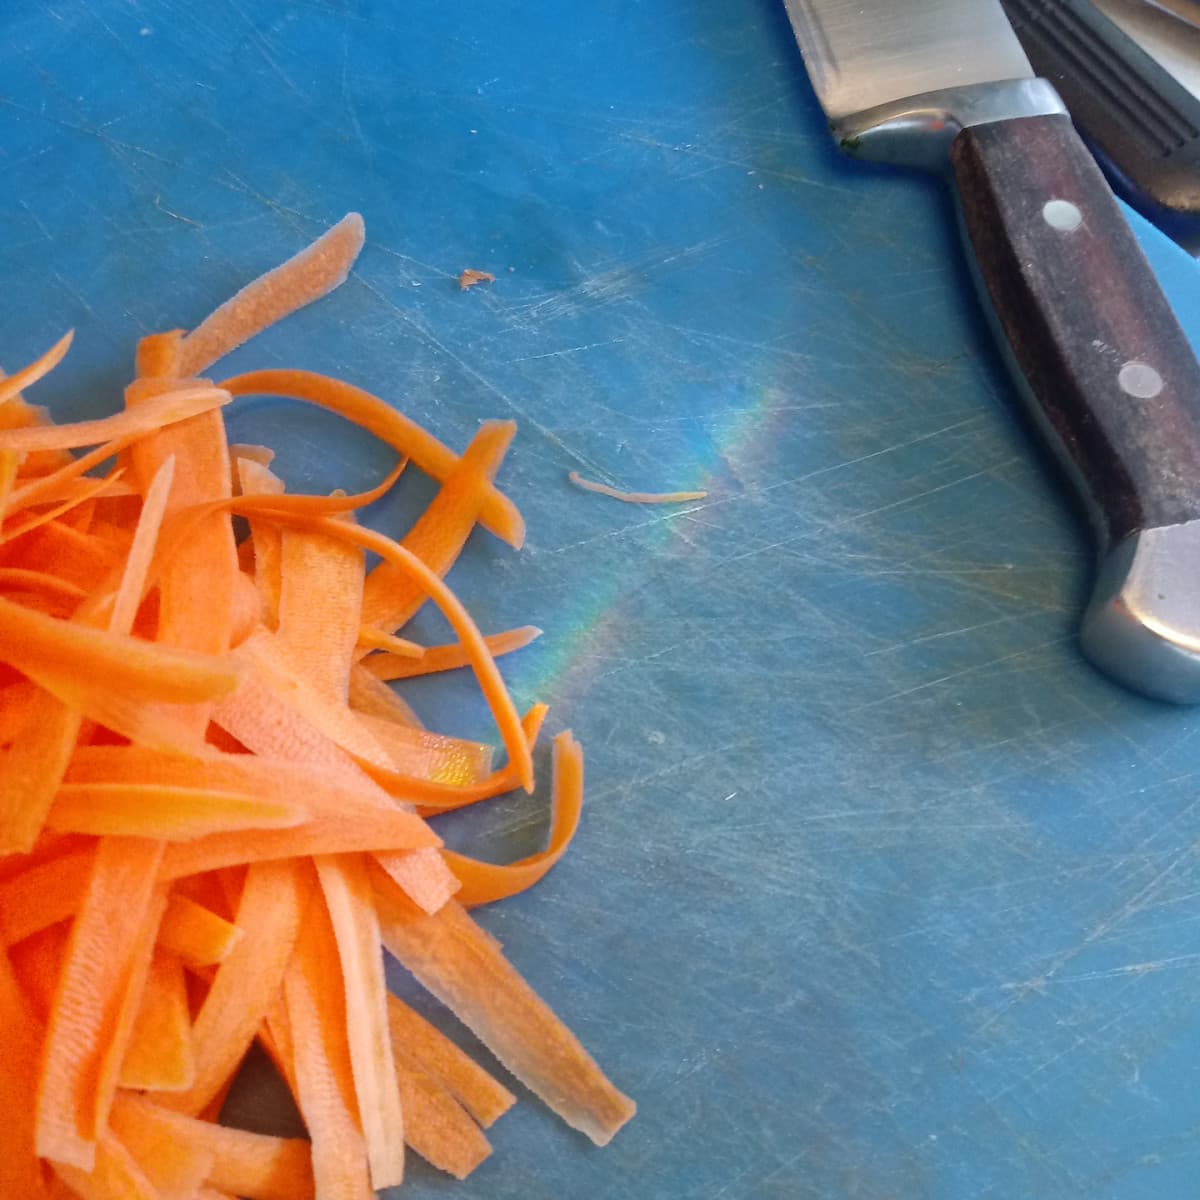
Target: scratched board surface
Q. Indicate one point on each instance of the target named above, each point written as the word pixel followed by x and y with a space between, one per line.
pixel 880 891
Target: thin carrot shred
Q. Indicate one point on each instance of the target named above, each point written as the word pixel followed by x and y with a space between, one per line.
pixel 603 489
pixel 214 810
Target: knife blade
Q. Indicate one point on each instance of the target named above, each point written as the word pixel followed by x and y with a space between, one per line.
pixel 1141 120
pixel 1104 367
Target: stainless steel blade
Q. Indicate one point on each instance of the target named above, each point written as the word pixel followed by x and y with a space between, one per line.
pixel 863 55
pixel 1169 37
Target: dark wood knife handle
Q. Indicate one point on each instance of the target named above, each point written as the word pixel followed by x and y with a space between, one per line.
pixel 1111 375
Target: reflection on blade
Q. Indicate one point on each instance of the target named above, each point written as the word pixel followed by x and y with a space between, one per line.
pixel 860 54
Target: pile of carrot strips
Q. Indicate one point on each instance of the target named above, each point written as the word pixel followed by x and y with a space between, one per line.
pixel 214 809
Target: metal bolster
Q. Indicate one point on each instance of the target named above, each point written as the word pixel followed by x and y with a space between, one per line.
pixel 1141 625
pixel 917 131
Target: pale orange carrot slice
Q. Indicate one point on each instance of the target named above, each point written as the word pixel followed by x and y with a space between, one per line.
pixel 464 969
pixel 423 874
pixel 484 883
pixel 320 599
pixel 306 277
pixel 393 665
pixel 439 1129
pixel 115 1175
pixel 90 1021
pixel 423 1047
pixel 350 902
pixel 427 755
pixel 324 1079
pixel 497 513
pixel 370 638
pixel 161 1056
pixel 175 1168
pixel 162 410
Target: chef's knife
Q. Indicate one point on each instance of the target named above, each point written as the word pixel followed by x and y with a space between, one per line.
pixel 1143 122
pixel 1108 373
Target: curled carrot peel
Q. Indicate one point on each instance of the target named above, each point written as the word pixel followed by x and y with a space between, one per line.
pixel 603 489
pixel 215 811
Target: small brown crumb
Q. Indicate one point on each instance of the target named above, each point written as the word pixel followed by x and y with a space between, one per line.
pixel 470 277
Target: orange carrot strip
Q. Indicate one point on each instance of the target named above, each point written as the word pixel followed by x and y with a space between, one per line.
pixel 46 487
pixel 196 934
pixel 158 355
pixel 427 755
pixel 327 833
pixel 265 538
pixel 141 550
pixel 497 513
pixel 423 1047
pixel 196 587
pixel 176 814
pixel 95 1002
pixel 38 962
pixel 116 1175
pixel 484 666
pixel 175 1168
pixel 392 665
pixel 264 456
pixel 88 488
pixel 351 907
pixel 273 904
pixel 20 1171
pixel 432 798
pixel 305 277
pixel 483 883
pixel 390 595
pixel 320 599
pixel 37 644
pixel 603 489
pixel 77 557
pixel 21 579
pixel 267 662
pixel 316 1012
pixel 31 769
pixel 373 697
pixel 166 409
pixel 254 1165
pixel 464 968
pixel 43 894
pixel 10 461
pixel 40 367
pixel 160 1056
pixel 438 1127
pixel 423 874
pixel 370 638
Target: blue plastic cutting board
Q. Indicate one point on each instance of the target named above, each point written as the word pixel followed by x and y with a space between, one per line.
pixel 881 890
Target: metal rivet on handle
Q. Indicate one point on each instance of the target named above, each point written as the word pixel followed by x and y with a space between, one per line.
pixel 1062 215
pixel 1140 380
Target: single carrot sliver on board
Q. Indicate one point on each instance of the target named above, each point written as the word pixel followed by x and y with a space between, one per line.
pixel 215 811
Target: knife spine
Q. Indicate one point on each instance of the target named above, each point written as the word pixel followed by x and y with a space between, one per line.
pixel 1142 109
